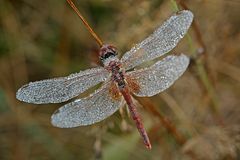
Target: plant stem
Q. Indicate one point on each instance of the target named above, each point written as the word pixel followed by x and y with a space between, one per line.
pixel 201 62
pixel 164 120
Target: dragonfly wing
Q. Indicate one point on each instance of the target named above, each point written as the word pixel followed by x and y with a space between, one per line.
pixel 164 39
pixel 89 110
pixel 61 89
pixel 159 76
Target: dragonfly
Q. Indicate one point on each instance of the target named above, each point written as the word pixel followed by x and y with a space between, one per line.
pixel 119 77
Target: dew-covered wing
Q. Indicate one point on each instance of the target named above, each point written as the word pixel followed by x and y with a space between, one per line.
pixel 89 110
pixel 159 76
pixel 61 89
pixel 164 39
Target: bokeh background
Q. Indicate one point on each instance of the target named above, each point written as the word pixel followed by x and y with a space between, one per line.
pixel 197 118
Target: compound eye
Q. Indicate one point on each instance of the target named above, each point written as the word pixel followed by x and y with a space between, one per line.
pixel 106 56
pixel 109 54
pixel 114 51
pixel 112 48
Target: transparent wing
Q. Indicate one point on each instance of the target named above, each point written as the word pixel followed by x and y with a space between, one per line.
pixel 61 89
pixel 164 39
pixel 89 110
pixel 159 76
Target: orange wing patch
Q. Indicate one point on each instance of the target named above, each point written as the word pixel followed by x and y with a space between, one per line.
pixel 132 84
pixel 114 92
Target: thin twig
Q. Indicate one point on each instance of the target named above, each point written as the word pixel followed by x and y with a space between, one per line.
pixel 95 36
pixel 200 58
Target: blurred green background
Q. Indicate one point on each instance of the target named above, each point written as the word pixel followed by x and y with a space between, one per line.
pixel 197 118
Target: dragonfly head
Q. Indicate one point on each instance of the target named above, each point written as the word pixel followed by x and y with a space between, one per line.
pixel 107 54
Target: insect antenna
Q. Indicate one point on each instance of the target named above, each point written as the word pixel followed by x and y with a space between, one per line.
pixel 95 36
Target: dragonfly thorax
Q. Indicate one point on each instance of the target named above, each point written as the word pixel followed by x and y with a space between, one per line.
pixel 108 54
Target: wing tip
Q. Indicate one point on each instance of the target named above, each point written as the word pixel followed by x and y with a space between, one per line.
pixel 23 95
pixel 19 94
pixel 55 119
pixel 54 122
pixel 185 59
pixel 186 12
pixel 59 122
